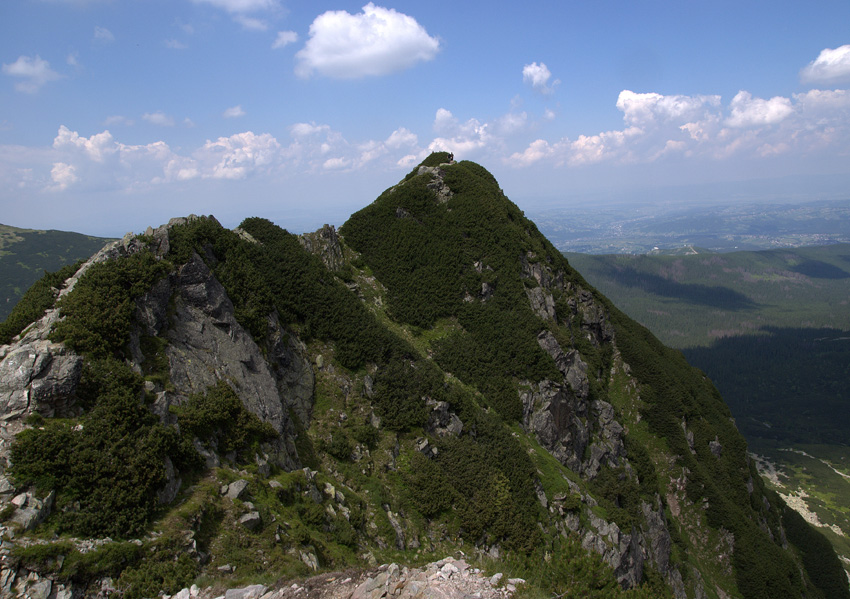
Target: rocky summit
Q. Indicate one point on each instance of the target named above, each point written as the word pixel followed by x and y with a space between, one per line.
pixel 204 412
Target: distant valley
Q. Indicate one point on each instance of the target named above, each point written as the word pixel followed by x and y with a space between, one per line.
pixel 26 253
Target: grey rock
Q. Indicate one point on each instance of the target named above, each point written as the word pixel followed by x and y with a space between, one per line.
pixel 441 421
pixel 569 363
pixel 325 244
pixel 715 447
pixel 236 489
pixel 251 520
pixel 255 591
pixel 310 560
pixel 172 486
pixel 31 511
pixel 542 303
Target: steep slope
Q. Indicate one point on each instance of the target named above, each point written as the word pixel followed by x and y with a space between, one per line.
pixel 437 379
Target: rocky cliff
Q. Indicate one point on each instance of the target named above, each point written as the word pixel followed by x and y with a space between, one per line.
pixel 249 405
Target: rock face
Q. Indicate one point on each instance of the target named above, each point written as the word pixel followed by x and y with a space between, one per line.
pixel 204 344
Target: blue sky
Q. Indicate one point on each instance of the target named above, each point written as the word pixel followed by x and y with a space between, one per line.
pixel 118 114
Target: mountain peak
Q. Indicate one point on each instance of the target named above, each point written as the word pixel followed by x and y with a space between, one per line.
pixel 435 378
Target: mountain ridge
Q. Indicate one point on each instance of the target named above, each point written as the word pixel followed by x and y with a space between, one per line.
pixel 469 389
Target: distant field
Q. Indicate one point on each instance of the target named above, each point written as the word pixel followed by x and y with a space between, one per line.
pixel 695 300
pixel 772 331
pixel 678 225
pixel 25 255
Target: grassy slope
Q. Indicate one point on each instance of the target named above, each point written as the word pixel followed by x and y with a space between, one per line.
pixel 25 254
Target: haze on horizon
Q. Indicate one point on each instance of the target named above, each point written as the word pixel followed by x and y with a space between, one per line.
pixel 115 115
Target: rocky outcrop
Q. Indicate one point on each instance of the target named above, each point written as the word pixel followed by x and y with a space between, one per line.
pixel 437 184
pixel 325 244
pixel 558 419
pixel 441 421
pixel 38 376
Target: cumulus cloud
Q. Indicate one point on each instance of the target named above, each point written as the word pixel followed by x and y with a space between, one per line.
pixel 595 148
pixel 538 75
pixel 32 73
pixel 831 66
pixel 158 118
pixel 233 112
pixel 62 175
pixel 284 38
pixel 536 151
pixel 103 35
pixel 457 137
pixel 747 111
pixel 97 147
pixel 377 41
pixel 236 156
pixel 305 129
pixel 640 109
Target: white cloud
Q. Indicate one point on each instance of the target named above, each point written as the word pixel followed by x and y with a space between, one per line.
pixel 538 76
pixel 640 109
pixel 747 111
pixel 305 129
pixel 97 147
pixel 284 38
pixel 62 175
pixel 251 23
pixel 401 138
pixel 175 44
pixel 457 137
pixel 33 72
pixel 233 112
pixel 376 42
pixel 336 163
pixel 103 35
pixel 831 65
pixel 241 9
pixel 602 146
pixel 236 156
pixel 240 6
pixel 158 118
pixel 536 151
pixel 72 60
pixel 117 119
pixel 511 123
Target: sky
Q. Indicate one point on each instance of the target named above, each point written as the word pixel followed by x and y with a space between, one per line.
pixel 119 114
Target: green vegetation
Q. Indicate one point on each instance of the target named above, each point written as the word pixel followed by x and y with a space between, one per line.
pixel 432 306
pixel 219 418
pixel 106 468
pixel 406 231
pixel 98 313
pixel 36 301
